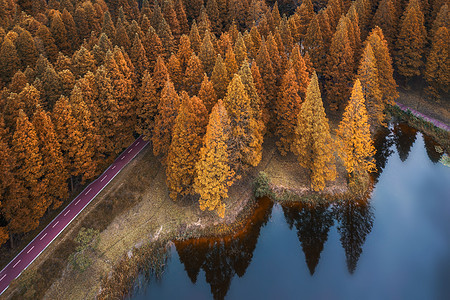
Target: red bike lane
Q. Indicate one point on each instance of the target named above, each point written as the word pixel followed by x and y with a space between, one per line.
pixel 58 224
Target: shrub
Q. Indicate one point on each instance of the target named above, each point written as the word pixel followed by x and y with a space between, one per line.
pixel 87 240
pixel 261 186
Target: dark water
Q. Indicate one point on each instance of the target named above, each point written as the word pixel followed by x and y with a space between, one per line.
pixel 395 245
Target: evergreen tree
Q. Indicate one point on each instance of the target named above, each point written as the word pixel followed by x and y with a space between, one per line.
pixel 182 18
pixel 207 54
pixel 437 72
pixel 160 75
pixel 54 170
pixel 207 94
pixel 122 39
pixel 184 51
pixel 385 18
pixel 194 75
pixel 368 77
pixel 213 13
pixel 230 62
pixel 220 78
pixel 313 144
pixel 355 144
pixel 50 49
pixel 72 34
pixel 175 71
pixel 195 38
pixel 300 70
pixel 386 80
pixel 170 16
pixel 83 62
pixel 287 110
pixel 153 46
pixel 411 41
pixel 339 71
pixel 204 24
pixel 26 49
pixel 188 131
pixel 9 60
pixel 306 13
pixel 214 174
pixel 240 50
pixel 147 106
pixel 268 77
pixel 164 121
pixel 70 137
pixel 139 57
pixel 259 85
pixel 59 33
pixel 108 27
pixel 27 202
pixel 246 145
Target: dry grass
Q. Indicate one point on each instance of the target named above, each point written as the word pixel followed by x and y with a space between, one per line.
pixel 135 210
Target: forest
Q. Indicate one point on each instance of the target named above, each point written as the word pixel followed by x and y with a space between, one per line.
pixel 205 82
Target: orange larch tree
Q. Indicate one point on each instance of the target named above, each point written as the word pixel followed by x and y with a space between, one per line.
pixel 167 113
pixel 207 94
pixel 287 110
pixel 194 75
pixel 188 131
pixel 437 73
pixel 355 143
pixel 214 173
pixel 313 144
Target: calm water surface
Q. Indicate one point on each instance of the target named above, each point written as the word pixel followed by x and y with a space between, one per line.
pixel 395 245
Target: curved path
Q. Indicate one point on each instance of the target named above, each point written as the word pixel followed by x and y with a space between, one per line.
pixel 49 233
pixel 435 122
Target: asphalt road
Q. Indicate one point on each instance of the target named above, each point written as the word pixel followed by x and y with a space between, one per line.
pixel 46 236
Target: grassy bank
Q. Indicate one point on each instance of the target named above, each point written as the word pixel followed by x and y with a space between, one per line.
pixel 136 220
pixel 441 136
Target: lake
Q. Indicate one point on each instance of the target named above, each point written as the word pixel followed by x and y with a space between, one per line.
pixel 395 245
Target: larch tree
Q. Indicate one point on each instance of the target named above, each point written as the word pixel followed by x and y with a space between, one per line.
pixel 108 27
pixel 220 77
pixel 184 151
pixel 437 73
pixel 411 41
pixel 175 71
pixel 214 173
pixel 314 44
pixel 287 110
pixel 7 164
pixel 340 65
pixel 26 49
pixel 230 62
pixel 9 60
pixel 268 77
pixel 259 85
pixel 368 77
pixel 147 108
pixel 385 18
pixel 204 23
pixel 194 75
pixel 240 50
pixel 83 61
pixel 207 94
pixel 355 143
pixel 207 54
pixel 301 71
pixel 28 203
pixel 313 144
pixel 246 144
pixel 59 33
pixel 170 16
pixel 386 80
pixel 182 18
pixel 305 13
pixel 194 36
pixel 139 57
pixel 69 135
pixel 54 170
pixel 153 46
pixel 160 75
pixel 184 51
pixel 164 120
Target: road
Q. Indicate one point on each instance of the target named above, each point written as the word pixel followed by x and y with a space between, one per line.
pixel 49 233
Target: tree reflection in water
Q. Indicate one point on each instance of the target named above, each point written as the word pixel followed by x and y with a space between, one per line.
pixel 430 146
pixel 222 258
pixel 312 221
pixel 384 141
pixel 404 137
pixel 355 220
